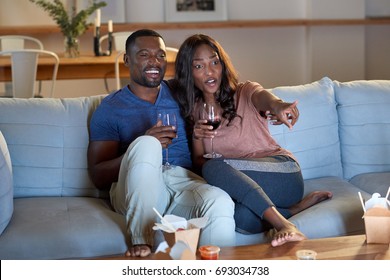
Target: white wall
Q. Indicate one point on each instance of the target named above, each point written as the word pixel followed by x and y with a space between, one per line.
pixel 336 9
pixel 336 51
pixel 266 9
pixel 377 52
pixel 271 55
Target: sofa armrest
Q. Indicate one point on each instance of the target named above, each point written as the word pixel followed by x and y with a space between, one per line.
pixel 6 185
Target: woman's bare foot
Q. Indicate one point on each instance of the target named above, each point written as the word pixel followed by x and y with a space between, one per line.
pixel 310 200
pixel 141 250
pixel 287 234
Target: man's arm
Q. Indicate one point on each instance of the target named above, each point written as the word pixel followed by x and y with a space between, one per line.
pixel 103 163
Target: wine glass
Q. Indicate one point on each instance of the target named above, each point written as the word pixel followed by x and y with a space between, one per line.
pixel 167 119
pixel 212 113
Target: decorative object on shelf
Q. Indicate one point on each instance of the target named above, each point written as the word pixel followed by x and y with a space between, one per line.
pixel 72 26
pixel 96 36
pixel 195 11
pixel 71 45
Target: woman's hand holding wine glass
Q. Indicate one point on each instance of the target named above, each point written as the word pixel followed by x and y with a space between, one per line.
pixel 212 114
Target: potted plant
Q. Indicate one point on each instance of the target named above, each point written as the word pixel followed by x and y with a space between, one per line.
pixel 73 25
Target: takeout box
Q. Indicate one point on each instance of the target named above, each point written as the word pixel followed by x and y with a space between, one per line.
pixel 377 224
pixel 189 236
pixel 179 251
pixel 377 219
pixel 177 229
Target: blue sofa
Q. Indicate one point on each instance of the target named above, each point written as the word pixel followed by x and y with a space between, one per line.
pixel 49 208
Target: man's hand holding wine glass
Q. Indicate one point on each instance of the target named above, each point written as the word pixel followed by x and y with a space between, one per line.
pixel 164 134
pixel 167 120
pixel 165 130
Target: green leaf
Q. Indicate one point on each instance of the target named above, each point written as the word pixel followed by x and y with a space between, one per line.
pixel 71 25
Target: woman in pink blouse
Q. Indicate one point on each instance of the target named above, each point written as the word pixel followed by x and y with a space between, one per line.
pixel 263 179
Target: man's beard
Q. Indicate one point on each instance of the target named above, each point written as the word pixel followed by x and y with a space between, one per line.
pixel 152 84
pixel 149 83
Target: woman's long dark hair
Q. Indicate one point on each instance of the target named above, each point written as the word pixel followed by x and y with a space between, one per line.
pixel 183 85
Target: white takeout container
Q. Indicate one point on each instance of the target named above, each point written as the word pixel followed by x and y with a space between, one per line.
pixel 176 229
pixel 377 219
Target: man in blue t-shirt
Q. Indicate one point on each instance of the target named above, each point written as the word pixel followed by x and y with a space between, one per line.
pixel 125 154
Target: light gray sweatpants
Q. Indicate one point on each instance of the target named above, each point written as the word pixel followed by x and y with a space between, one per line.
pixel 142 185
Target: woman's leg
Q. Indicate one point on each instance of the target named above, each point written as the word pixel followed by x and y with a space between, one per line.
pixel 248 194
pixel 281 180
pixel 248 222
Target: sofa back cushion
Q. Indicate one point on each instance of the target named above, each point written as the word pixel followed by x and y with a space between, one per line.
pixel 314 140
pixel 6 191
pixel 48 140
pixel 363 108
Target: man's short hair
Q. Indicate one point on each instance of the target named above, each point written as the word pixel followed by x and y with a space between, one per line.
pixel 130 41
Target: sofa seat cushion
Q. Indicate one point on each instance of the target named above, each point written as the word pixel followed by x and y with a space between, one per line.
pixel 252 239
pixel 376 182
pixel 6 181
pixel 314 140
pixel 363 108
pixel 63 228
pixel 341 215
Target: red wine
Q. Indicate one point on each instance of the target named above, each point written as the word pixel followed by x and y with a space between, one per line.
pixel 214 123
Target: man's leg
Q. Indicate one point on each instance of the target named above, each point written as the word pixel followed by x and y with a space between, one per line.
pixel 193 198
pixel 140 187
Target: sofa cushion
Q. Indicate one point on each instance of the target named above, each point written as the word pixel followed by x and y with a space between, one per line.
pixel 341 215
pixel 63 227
pixel 6 190
pixel 363 108
pixel 48 140
pixel 373 182
pixel 314 140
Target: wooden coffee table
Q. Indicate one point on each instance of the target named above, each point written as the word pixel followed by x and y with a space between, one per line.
pixel 336 248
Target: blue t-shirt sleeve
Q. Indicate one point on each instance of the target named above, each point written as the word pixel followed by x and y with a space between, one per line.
pixel 102 126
